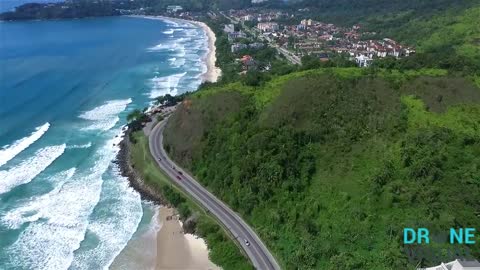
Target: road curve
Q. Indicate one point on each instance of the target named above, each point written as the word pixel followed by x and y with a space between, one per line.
pixel 257 252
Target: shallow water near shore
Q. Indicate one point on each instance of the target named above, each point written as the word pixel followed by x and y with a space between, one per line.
pixel 65 89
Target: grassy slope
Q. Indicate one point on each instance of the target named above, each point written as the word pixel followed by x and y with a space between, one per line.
pixel 382 162
pixel 223 251
pixel 391 149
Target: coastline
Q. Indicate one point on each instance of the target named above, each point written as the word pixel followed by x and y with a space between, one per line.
pixel 213 72
pixel 168 243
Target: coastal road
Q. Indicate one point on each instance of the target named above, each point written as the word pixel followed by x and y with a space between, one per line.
pixel 256 251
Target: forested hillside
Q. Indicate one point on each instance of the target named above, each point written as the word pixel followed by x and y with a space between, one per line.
pixel 330 165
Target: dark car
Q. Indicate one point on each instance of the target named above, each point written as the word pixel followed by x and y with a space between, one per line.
pixel 179 178
pixel 179 172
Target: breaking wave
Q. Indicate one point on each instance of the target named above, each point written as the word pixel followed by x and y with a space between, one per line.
pixel 8 152
pixel 28 169
pixel 105 117
pixel 166 85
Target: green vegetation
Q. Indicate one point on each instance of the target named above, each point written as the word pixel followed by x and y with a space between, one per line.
pixel 329 165
pixel 74 9
pixel 223 251
pixel 449 40
pixel 136 120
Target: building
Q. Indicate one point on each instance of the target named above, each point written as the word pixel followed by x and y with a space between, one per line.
pixel 363 61
pixel 229 28
pixel 235 35
pixel 174 9
pixel 301 27
pixel 238 47
pixel 306 22
pixel 268 27
pixel 248 62
pixel 456 265
pixel 248 18
pixel 256 45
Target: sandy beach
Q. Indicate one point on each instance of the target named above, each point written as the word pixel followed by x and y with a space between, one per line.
pixel 165 247
pixel 176 250
pixel 213 72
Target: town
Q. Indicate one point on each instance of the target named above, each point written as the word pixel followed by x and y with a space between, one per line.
pixel 295 37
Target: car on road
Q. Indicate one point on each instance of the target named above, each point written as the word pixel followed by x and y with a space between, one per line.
pixel 246 242
pixel 179 178
pixel 179 172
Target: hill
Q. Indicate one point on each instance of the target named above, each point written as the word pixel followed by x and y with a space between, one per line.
pixel 330 165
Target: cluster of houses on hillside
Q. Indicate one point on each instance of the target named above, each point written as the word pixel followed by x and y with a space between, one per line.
pixel 239 42
pixel 310 37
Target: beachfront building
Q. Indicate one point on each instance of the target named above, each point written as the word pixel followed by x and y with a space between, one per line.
pixel 456 265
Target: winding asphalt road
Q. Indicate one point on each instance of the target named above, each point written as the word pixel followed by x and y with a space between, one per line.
pixel 256 251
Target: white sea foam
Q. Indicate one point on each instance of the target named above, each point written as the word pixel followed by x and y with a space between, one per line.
pixel 122 212
pixel 40 206
pixel 161 47
pixel 80 146
pixel 61 217
pixel 177 45
pixel 105 116
pixel 28 169
pixel 10 151
pixel 168 32
pixel 177 62
pixel 165 85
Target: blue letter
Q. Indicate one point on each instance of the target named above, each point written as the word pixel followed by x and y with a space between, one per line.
pixel 423 233
pixel 454 235
pixel 469 235
pixel 406 240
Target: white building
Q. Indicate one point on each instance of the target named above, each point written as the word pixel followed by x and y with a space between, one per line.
pixel 456 265
pixel 248 18
pixel 229 28
pixel 174 9
pixel 268 27
pixel 363 61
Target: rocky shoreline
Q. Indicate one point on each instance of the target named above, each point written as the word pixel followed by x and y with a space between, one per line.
pixel 136 182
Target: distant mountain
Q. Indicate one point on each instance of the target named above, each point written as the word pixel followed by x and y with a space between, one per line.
pixel 346 11
pixel 10 5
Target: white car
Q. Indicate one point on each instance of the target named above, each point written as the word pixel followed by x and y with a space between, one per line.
pixel 246 242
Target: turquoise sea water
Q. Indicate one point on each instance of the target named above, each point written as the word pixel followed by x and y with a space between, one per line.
pixel 65 89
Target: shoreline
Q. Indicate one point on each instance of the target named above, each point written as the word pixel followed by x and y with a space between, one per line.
pixel 172 244
pixel 213 72
pixel 168 243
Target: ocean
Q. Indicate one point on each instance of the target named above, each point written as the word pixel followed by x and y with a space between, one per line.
pixel 66 87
